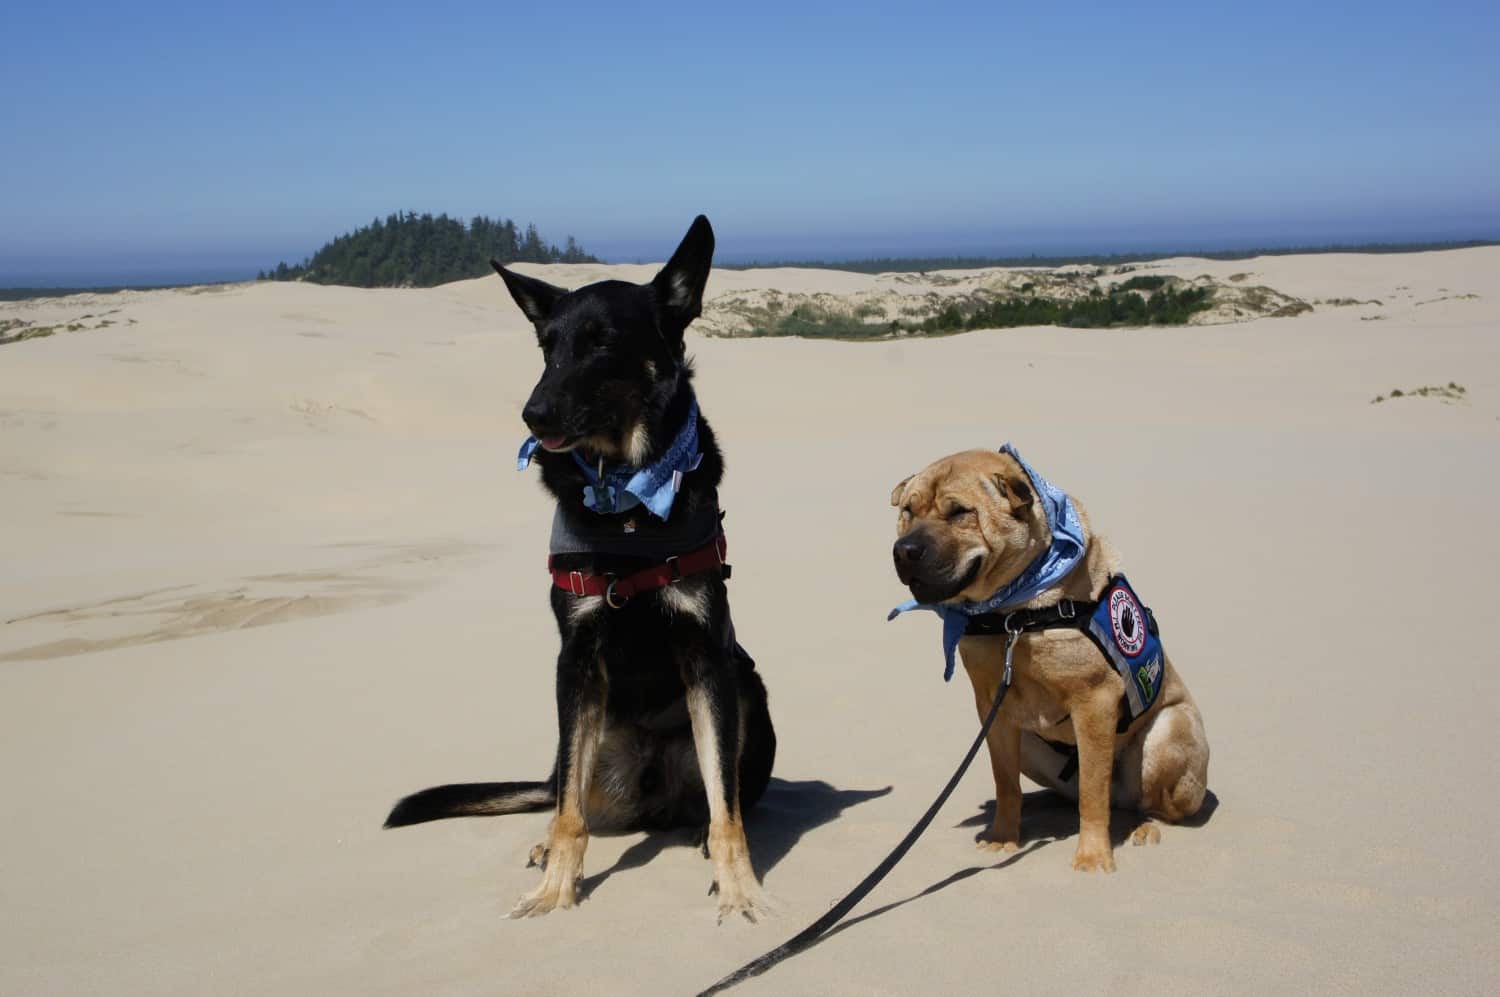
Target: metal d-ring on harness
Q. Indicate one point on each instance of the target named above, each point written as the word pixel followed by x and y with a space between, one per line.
pixel 813 933
pixel 615 600
pixel 612 598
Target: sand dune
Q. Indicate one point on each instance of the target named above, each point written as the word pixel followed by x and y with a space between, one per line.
pixel 267 567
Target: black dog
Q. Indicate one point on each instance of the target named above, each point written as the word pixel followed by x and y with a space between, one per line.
pixel 662 719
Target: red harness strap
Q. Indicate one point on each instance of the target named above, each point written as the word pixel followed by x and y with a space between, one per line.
pixel 616 590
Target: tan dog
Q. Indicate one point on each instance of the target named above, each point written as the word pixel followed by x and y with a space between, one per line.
pixel 969 525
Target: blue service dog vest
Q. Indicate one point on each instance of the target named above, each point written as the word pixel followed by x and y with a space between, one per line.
pixel 1120 626
pixel 1127 633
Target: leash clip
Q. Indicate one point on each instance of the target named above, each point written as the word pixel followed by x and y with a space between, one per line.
pixel 1010 647
pixel 1014 633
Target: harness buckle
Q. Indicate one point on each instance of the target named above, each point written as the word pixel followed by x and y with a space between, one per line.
pixel 610 595
pixel 676 570
pixel 575 583
pixel 1066 610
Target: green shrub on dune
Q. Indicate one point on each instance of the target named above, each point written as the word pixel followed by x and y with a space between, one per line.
pixel 1096 310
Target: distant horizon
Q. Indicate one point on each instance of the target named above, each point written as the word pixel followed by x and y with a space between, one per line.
pixel 148 276
pixel 219 264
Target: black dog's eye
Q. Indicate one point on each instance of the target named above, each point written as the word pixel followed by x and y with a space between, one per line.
pixel 588 348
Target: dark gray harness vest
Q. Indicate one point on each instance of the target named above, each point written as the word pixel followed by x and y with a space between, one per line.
pixel 636 533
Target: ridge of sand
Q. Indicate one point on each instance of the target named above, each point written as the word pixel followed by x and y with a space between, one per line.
pixel 267 567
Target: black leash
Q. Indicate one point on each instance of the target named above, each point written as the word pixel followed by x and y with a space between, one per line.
pixel 813 933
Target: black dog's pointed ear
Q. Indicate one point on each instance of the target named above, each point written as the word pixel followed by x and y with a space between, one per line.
pixel 679 286
pixel 536 297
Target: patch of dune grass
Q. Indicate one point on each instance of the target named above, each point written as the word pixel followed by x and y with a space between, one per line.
pixel 1097 310
pixel 14 330
pixel 1447 392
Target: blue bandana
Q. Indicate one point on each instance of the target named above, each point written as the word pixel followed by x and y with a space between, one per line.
pixel 1049 568
pixel 623 486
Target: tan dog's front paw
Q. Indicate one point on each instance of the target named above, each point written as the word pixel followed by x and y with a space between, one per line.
pixel 1094 859
pixel 1147 834
pixel 990 842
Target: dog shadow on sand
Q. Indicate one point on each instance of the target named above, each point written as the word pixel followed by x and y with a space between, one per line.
pixel 788 810
pixel 1054 817
pixel 1046 817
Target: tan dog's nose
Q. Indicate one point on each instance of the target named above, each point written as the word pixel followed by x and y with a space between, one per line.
pixel 908 551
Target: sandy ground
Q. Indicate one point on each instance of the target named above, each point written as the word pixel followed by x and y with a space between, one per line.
pixel 267 567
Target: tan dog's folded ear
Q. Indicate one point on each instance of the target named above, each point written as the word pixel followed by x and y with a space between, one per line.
pixel 1017 490
pixel 900 489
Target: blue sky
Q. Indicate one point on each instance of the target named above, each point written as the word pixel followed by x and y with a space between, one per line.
pixel 145 138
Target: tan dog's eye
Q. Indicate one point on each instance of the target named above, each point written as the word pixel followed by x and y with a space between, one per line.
pixel 958 512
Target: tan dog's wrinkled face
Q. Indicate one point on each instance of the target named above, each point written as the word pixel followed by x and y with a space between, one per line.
pixel 969 523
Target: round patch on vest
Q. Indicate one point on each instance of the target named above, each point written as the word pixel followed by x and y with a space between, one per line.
pixel 1127 620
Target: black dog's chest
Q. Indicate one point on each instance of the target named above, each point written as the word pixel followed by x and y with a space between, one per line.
pixel 639 685
pixel 641 653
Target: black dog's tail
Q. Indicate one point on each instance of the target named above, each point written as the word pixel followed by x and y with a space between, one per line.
pixel 472 799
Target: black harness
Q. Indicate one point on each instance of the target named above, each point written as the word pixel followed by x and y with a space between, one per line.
pixel 1066 614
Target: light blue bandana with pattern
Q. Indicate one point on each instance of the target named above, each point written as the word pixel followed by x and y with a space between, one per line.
pixel 622 487
pixel 1049 568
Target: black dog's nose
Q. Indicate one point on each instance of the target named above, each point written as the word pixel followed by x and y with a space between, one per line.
pixel 537 415
pixel 909 551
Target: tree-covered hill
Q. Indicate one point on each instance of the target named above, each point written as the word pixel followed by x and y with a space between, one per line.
pixel 411 250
